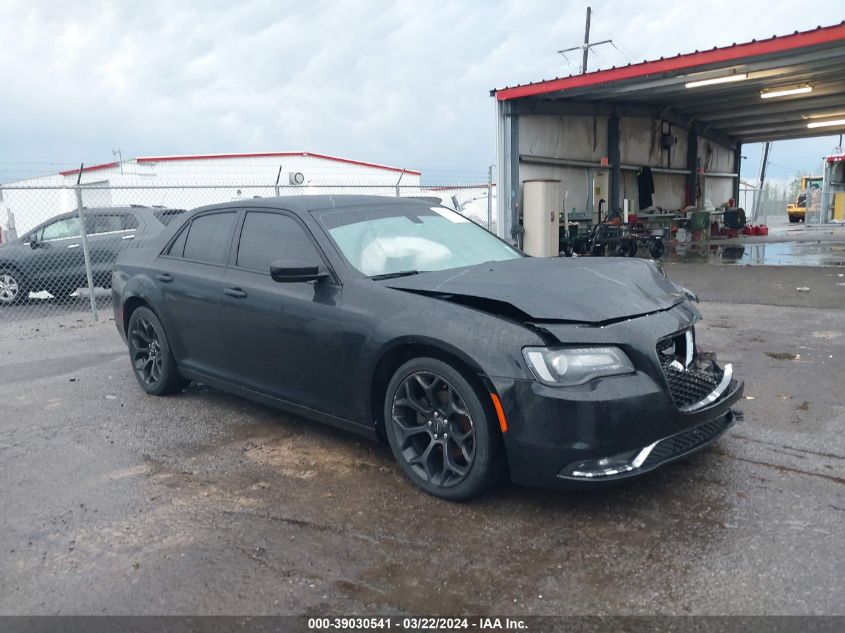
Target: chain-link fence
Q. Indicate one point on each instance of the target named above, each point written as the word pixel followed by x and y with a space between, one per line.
pixel 60 242
pixel 806 208
pixel 763 208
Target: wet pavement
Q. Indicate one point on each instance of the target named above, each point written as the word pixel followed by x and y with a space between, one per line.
pixel 204 503
pixel 761 254
pixel 786 245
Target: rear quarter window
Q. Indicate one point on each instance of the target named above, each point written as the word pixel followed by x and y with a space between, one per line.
pixel 209 237
pixel 166 216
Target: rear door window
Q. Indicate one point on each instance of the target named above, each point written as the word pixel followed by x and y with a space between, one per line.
pixel 266 237
pixel 177 248
pixel 209 237
pixel 112 223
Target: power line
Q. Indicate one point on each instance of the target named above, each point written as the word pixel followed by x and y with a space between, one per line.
pixel 609 32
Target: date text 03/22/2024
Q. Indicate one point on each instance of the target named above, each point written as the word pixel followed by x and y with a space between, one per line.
pixel 416 624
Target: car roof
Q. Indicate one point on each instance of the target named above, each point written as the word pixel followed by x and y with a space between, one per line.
pixel 301 204
pixel 140 208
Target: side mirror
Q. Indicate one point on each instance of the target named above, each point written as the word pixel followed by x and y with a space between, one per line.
pixel 297 269
pixel 34 243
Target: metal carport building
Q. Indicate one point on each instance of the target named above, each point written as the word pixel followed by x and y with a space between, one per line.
pixel 685 117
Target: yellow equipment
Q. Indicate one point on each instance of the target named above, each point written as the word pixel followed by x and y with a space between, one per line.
pixel 839 206
pixel 798 209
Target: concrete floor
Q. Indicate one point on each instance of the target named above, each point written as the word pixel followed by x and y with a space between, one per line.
pixel 203 503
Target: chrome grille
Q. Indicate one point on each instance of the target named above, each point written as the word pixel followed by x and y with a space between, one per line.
pixel 689 382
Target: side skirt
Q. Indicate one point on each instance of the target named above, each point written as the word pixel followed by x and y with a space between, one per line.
pixel 279 403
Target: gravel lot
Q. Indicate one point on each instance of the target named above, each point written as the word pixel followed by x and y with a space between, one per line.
pixel 203 503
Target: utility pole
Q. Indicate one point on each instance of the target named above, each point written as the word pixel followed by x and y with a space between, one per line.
pixel 586 41
pixel 763 166
pixel 585 47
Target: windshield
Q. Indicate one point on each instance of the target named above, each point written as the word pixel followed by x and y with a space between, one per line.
pixel 407 238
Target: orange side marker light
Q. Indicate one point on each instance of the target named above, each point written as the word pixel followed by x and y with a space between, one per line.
pixel 500 412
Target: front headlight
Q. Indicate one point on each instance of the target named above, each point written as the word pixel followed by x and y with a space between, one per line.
pixel 570 366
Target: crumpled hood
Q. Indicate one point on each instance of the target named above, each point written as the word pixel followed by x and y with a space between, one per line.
pixel 585 290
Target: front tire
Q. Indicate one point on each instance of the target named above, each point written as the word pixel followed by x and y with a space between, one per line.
pixel 13 288
pixel 152 361
pixel 440 432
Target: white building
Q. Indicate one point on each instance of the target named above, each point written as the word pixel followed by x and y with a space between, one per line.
pixel 192 181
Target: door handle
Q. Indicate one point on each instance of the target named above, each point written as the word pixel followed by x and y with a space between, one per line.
pixel 237 293
pixel 128 237
pixel 73 246
pixel 165 277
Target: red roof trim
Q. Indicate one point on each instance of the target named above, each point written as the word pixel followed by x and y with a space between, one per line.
pixel 71 172
pixel 161 159
pixel 821 35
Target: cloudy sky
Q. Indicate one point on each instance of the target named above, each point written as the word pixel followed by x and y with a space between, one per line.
pixel 403 82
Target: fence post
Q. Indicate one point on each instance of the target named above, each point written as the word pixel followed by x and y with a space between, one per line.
pixel 85 253
pixel 398 194
pixel 489 197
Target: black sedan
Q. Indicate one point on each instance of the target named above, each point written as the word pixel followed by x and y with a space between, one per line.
pixel 50 256
pixel 408 323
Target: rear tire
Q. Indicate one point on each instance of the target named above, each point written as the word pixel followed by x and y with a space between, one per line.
pixel 794 219
pixel 13 287
pixel 149 352
pixel 441 434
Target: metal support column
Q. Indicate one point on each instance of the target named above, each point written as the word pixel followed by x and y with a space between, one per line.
pixel 692 168
pixel 614 158
pixel 512 158
pixel 738 171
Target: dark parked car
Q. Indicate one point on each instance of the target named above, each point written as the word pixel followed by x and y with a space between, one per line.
pixel 406 322
pixel 49 257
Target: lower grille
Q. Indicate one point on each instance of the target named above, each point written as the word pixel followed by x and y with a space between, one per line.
pixel 689 386
pixel 688 441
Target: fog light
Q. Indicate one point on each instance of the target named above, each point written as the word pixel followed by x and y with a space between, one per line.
pixel 601 467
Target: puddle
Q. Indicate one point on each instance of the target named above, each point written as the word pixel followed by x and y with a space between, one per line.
pixel 772 254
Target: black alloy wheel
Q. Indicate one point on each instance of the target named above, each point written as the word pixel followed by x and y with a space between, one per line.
pixel 439 430
pixel 149 351
pixel 146 357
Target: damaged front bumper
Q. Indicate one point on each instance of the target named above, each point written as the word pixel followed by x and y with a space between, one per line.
pixel 619 428
pixel 655 454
